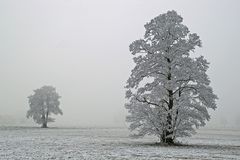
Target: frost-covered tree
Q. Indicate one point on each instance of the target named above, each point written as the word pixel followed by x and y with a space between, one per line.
pixel 43 103
pixel 168 91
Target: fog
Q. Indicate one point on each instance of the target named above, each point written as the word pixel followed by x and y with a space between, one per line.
pixel 81 47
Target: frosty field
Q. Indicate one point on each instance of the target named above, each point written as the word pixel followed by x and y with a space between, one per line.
pixel 18 143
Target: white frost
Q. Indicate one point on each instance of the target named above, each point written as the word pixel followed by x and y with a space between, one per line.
pixel 169 91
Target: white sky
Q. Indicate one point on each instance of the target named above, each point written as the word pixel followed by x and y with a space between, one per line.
pixel 81 48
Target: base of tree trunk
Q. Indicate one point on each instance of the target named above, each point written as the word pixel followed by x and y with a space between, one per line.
pixel 44 125
pixel 165 138
pixel 169 141
pixel 169 144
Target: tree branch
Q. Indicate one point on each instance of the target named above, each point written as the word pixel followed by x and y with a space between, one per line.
pixel 145 50
pixel 185 87
pixel 151 103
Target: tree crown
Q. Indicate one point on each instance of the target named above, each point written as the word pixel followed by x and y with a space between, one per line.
pixel 43 103
pixel 168 88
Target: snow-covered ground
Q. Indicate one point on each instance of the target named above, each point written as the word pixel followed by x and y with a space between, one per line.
pixel 20 143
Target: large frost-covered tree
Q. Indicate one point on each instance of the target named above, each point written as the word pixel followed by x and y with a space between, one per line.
pixel 43 103
pixel 168 91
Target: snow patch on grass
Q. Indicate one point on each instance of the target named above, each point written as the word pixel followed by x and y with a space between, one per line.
pixel 111 143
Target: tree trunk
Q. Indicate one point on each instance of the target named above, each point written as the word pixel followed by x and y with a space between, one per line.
pixel 167 135
pixel 44 125
pixel 166 138
pixel 169 140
